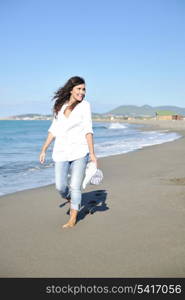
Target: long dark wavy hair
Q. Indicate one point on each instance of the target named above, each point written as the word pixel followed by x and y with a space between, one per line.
pixel 63 94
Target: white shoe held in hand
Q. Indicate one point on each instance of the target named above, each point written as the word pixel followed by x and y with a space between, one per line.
pixel 97 177
pixel 92 175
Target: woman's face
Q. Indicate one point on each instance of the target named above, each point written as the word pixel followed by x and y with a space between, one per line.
pixel 78 92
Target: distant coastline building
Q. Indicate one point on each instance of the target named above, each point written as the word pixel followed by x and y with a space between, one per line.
pixel 167 115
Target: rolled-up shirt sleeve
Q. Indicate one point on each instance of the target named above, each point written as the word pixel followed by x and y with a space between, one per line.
pixel 53 127
pixel 87 119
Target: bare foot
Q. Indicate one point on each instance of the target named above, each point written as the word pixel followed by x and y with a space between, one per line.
pixel 69 224
pixel 72 220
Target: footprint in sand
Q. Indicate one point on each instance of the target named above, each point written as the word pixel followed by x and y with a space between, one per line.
pixel 180 181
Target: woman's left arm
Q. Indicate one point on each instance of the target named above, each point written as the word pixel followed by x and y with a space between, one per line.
pixel 90 142
pixel 88 131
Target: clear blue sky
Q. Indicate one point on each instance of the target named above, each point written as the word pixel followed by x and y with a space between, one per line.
pixel 128 51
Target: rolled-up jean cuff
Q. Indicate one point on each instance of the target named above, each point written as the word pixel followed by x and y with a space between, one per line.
pixel 75 206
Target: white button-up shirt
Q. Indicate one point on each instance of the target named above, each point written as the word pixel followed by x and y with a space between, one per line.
pixel 69 132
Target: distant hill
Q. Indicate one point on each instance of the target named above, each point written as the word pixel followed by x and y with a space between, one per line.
pixel 38 117
pixel 31 115
pixel 145 110
pixel 124 110
pixel 47 116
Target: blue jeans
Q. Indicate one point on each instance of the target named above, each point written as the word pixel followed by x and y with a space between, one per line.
pixel 71 189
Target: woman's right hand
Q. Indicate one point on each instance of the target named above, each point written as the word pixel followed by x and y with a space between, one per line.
pixel 42 157
pixel 94 159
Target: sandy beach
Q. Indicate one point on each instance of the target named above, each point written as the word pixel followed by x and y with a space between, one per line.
pixel 135 229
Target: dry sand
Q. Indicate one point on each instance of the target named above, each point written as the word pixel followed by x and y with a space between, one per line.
pixel 136 230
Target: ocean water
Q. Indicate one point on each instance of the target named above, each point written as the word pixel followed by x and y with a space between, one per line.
pixel 21 143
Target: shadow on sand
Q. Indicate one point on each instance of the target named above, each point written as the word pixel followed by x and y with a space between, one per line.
pixel 92 202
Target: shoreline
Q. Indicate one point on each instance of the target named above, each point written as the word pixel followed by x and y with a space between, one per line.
pixel 182 133
pixel 100 158
pixel 147 126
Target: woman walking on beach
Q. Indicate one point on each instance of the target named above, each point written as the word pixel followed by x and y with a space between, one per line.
pixel 72 130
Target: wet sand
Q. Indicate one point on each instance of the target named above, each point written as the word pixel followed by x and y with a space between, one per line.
pixel 135 228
